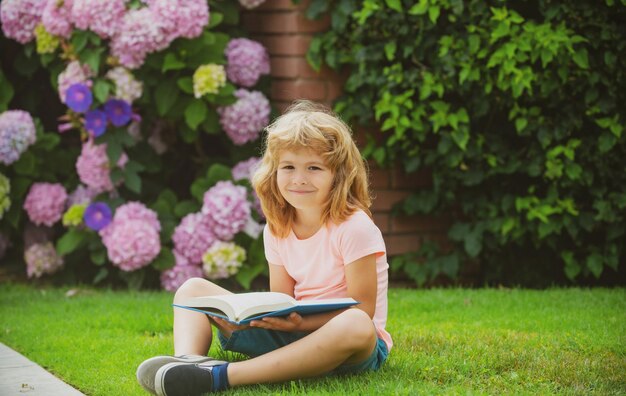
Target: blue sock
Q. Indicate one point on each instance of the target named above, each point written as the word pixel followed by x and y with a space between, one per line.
pixel 220 377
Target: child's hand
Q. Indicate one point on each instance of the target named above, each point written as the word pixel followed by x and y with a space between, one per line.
pixel 290 323
pixel 226 327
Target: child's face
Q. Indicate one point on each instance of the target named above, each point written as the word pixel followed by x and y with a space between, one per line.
pixel 303 179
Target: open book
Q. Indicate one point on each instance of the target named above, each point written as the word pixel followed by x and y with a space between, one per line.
pixel 245 307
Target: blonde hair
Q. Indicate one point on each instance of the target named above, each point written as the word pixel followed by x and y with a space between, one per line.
pixel 312 126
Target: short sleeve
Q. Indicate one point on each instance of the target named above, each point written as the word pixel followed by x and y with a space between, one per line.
pixel 360 237
pixel 270 245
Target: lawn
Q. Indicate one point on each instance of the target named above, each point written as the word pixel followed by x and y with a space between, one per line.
pixel 447 341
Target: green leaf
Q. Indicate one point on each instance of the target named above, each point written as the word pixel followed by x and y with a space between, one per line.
pixel 165 260
pixel 219 172
pixel 6 92
pixel 101 90
pixel 26 165
pixel 248 273
pixel 199 187
pixel 101 275
pixel 98 257
pixel 114 151
pixel 132 181
pixel 433 14
pixel 70 241
pixel 215 20
pixel 211 123
pixel 171 62
pixel 48 141
pixel 79 40
pixel 394 5
pixel 420 8
pixel 195 113
pixel 183 208
pixel 595 264
pixel 185 84
pixel 581 57
pixel 91 57
pixel 165 96
pixel 520 124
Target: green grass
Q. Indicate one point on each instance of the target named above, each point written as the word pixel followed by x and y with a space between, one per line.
pixel 457 341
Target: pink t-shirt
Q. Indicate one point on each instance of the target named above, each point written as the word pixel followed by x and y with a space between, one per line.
pixel 317 263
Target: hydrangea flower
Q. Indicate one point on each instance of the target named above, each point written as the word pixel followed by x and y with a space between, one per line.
pixel 56 17
pixel 101 17
pixel 126 86
pixel 96 122
pixel 226 209
pixel 93 168
pixel 17 132
pixel 97 216
pixel 74 215
pixel 208 79
pixel 45 203
pixel 118 112
pixel 78 97
pixel 81 195
pixel 138 36
pixel 19 18
pixel 137 211
pixel 46 43
pixel 42 258
pixel 244 120
pixel 223 260
pixel 250 4
pixel 5 190
pixel 181 18
pixel 193 236
pixel 173 278
pixel 131 244
pixel 5 243
pixel 243 170
pixel 74 73
pixel 247 61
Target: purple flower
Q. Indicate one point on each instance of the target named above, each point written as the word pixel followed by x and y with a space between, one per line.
pixel 78 98
pixel 96 122
pixel 118 111
pixel 97 216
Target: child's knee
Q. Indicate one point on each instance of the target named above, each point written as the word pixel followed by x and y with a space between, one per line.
pixel 192 287
pixel 356 328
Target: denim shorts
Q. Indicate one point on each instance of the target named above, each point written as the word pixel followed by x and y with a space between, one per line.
pixel 256 342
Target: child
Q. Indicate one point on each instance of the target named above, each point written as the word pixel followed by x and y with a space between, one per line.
pixel 320 243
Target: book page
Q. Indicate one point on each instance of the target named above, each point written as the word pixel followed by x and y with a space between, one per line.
pixel 239 306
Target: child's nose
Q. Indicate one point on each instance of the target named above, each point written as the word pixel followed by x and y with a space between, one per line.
pixel 299 178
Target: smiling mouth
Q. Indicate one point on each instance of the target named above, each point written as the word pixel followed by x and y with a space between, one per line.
pixel 300 192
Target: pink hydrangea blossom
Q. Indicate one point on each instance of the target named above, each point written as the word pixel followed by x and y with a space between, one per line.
pixel 193 236
pixel 42 258
pixel 131 244
pixel 244 120
pixel 74 73
pixel 101 17
pixel 250 4
pixel 17 132
pixel 45 203
pixel 139 35
pixel 226 209
pixel 56 17
pixel 20 17
pixel 126 86
pixel 244 169
pixel 81 196
pixel 173 278
pixel 247 61
pixel 181 18
pixel 93 166
pixel 137 211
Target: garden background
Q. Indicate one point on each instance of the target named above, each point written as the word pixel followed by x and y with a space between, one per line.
pixel 493 130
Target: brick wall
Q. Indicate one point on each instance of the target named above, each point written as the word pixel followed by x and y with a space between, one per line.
pixel 282 27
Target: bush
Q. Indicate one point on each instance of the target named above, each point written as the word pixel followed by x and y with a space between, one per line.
pixel 517 108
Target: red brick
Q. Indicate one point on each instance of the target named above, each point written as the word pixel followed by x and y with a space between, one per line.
pixel 285 67
pixel 379 178
pixel 281 5
pixel 382 221
pixel 285 44
pixel 420 179
pixel 283 23
pixel 400 244
pixel 288 90
pixel 385 199
pixel 418 223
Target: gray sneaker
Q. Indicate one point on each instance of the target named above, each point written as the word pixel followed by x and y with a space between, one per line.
pixel 146 371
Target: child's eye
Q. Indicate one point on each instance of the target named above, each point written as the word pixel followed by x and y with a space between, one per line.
pixel 314 168
pixel 287 167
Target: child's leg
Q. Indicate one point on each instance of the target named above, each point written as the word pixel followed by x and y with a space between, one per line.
pixel 349 337
pixel 192 330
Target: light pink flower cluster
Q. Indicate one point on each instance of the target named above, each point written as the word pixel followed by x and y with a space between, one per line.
pixel 57 17
pixel 250 4
pixel 132 237
pixel 81 196
pixel 247 61
pixel 20 17
pixel 74 73
pixel 126 86
pixel 181 18
pixel 45 203
pixel 244 120
pixel 244 169
pixel 17 132
pixel 93 168
pixel 101 17
pixel 173 278
pixel 193 236
pixel 42 258
pixel 226 209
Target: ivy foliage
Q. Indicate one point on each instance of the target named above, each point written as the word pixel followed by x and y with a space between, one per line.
pixel 517 108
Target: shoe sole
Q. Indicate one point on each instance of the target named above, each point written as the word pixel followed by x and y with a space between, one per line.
pixel 150 367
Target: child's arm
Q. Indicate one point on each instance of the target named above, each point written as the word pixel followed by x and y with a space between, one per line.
pixel 280 281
